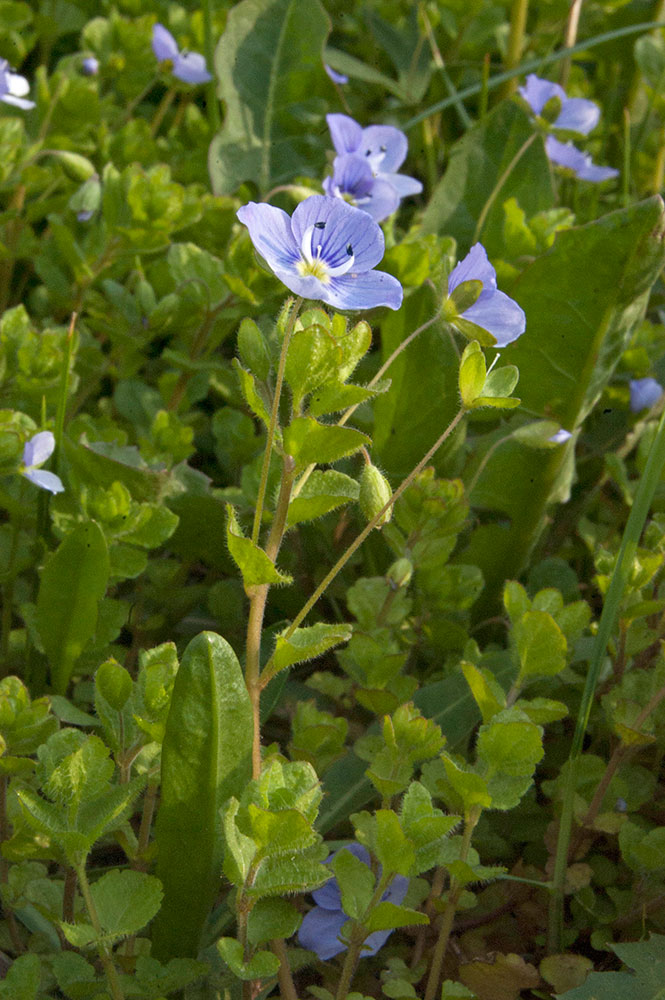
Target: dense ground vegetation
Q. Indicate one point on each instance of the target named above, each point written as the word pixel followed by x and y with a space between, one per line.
pixel 333 509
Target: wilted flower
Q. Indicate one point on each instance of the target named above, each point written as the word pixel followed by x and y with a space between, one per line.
pixel 90 66
pixel 354 181
pixel 86 201
pixel 492 310
pixel 37 451
pixel 576 114
pixel 336 77
pixel 187 66
pixel 565 154
pixel 561 436
pixel 320 929
pixel 13 87
pixel 327 250
pixel 383 146
pixel 644 392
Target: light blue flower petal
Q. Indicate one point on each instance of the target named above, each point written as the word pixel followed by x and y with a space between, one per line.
pixel 191 68
pixel 343 226
pixel 364 291
pixel 560 437
pixel 45 480
pixel 270 232
pixel 328 896
pixel 500 315
pixel 565 154
pixel 90 66
pixel 537 92
pixel 578 115
pixel 38 449
pixel 164 44
pixel 336 77
pixel 346 134
pixel 474 267
pixel 397 890
pixel 644 392
pixel 385 147
pixel 402 183
pixel 18 102
pixel 319 932
pixel 353 178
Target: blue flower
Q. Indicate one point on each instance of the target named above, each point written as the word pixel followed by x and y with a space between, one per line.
pixel 37 451
pixel 13 87
pixel 354 181
pixel 383 146
pixel 327 250
pixel 493 310
pixel 565 154
pixel 561 436
pixel 336 77
pixel 320 930
pixel 187 66
pixel 576 114
pixel 90 66
pixel 644 392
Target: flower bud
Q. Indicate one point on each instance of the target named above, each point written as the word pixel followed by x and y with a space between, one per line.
pixel 375 492
pixel 399 574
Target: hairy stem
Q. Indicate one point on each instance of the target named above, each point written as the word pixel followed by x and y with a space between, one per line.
pixel 257 610
pixel 274 413
pixel 434 979
pixel 286 985
pixel 518 16
pixel 482 218
pixel 104 953
pixel 346 416
pixel 355 545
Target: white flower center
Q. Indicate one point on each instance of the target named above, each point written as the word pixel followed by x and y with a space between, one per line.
pixel 311 262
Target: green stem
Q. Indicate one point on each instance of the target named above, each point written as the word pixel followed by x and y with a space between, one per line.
pixel 437 58
pixel 570 38
pixel 358 935
pixel 286 985
pixel 482 104
pixel 625 179
pixel 104 954
pixel 482 218
pixel 434 979
pixel 63 393
pixel 212 107
pixel 533 65
pixel 162 108
pixel 257 608
pixel 369 527
pixel 636 519
pixel 131 107
pixel 518 16
pixel 272 426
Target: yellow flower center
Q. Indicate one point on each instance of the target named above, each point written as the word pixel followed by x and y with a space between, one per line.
pixel 310 262
pixel 315 267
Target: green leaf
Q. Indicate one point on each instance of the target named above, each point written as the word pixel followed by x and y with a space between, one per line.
pixel 250 393
pixel 323 492
pixel 253 350
pixel 23 979
pixel 313 359
pixel 540 644
pixel 125 901
pixel 647 958
pixel 308 441
pixel 262 965
pixel 114 683
pixel 256 567
pixel 72 584
pixel 206 758
pixel 487 694
pixel 272 918
pixel 356 883
pixel 393 849
pixel 566 357
pixel 306 644
pixel 387 916
pixel 268 63
pixel 472 372
pixel 477 163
